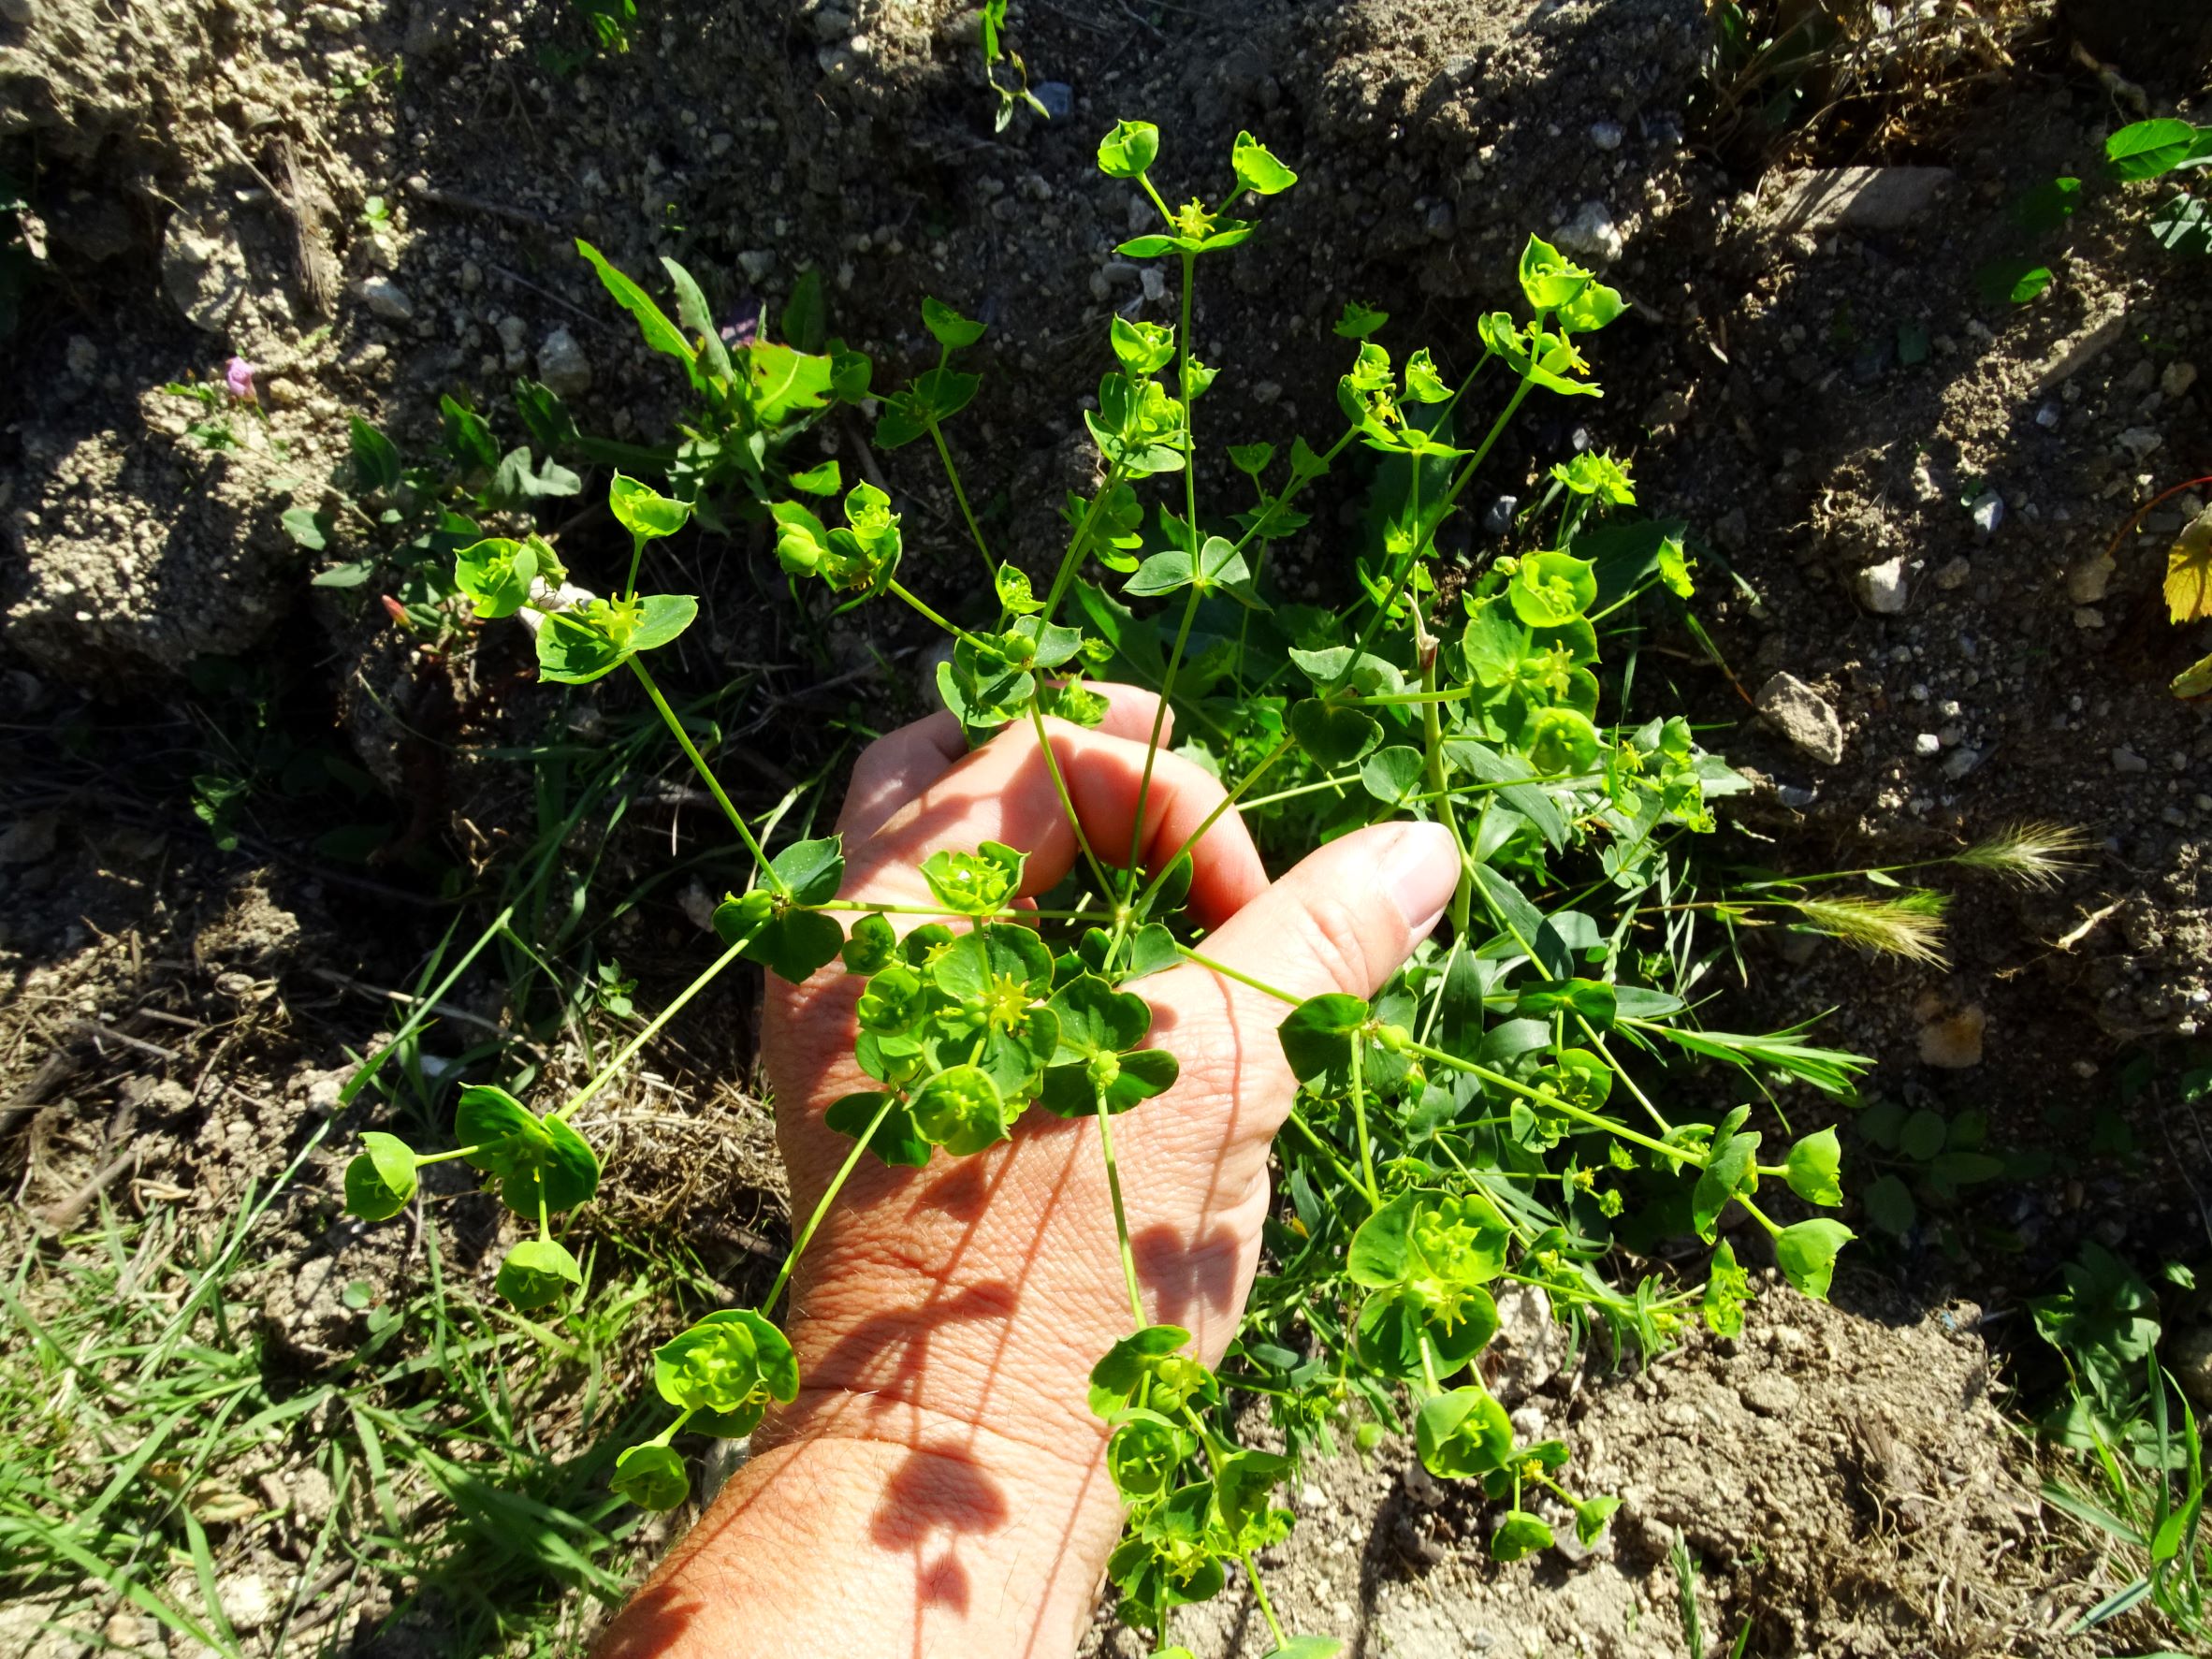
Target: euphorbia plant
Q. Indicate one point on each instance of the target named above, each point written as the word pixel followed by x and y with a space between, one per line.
pixel 1503 1113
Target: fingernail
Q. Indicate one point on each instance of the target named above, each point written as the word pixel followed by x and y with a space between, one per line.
pixel 1420 869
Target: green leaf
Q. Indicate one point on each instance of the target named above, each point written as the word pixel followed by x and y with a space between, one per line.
pixel 375 458
pixel 1142 349
pixel 732 1362
pixel 1888 1205
pixel 1548 589
pixel 1390 775
pixel 1308 1647
pixel 811 871
pixel 2013 281
pixel 536 1274
pixel 496 575
pixel 2146 148
pixel 1243 1492
pixel 2049 205
pixel 961 1110
pixel 504 1134
pixel 1332 734
pixel 871 944
pixel 1816 1164
pixel 309 529
pixel 1152 1356
pixel 693 310
pixel 1144 1453
pixel 1548 279
pixel 1728 1289
pixel 1257 168
pixel 896 1140
pixel 2184 226
pixel 1360 321
pixel 381 1179
pixel 1381 1251
pixel 1128 150
pixel 1145 247
pixel 1320 1031
pixel 644 511
pixel 660 333
pixel 1518 1535
pixel 951 329
pixel 975 883
pixel 805 323
pixel 1733 1170
pixel 1163 572
pixel 1807 1254
pixel 1924 1135
pixel 651 1477
pixel 794 944
pixel 1463 1433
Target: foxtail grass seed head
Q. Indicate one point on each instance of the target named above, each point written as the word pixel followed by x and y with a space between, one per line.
pixel 1909 926
pixel 2031 854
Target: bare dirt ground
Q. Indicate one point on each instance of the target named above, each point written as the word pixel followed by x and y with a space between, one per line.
pixel 375 204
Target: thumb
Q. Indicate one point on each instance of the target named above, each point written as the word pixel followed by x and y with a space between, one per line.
pixel 1348 915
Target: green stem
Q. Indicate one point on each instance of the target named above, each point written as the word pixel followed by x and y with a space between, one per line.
pixel 699 764
pixel 1343 1172
pixel 670 1433
pixel 1260 1595
pixel 1429 1365
pixel 1072 559
pixel 1159 718
pixel 1759 1215
pixel 798 1245
pixel 1207 822
pixel 1121 1219
pixel 623 1056
pixel 1052 764
pixel 960 495
pixel 1553 1103
pixel 423 1160
pixel 898 591
pixel 1360 1121
pixel 637 546
pixel 1226 971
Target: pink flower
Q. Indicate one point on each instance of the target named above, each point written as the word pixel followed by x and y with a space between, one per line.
pixel 238 377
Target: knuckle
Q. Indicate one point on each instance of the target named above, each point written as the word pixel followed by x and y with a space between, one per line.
pixel 1335 934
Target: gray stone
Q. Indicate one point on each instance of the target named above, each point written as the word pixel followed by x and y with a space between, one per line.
pixel 2082 350
pixel 2189 1355
pixel 1770 1394
pixel 1803 716
pixel 203 270
pixel 1591 233
pixel 246 1600
pixel 756 263
pixel 1057 97
pixel 1607 135
pixel 2126 760
pixel 388 300
pixel 2178 379
pixel 562 366
pixel 1858 199
pixel 1882 588
pixel 1988 511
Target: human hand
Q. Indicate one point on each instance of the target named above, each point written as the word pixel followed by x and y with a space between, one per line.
pixel 946 1319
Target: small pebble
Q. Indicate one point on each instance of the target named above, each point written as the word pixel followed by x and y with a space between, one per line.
pixel 1882 587
pixel 1497 518
pixel 2047 417
pixel 2178 379
pixel 1607 135
pixel 1988 511
pixel 1928 743
pixel 2126 760
pixel 388 300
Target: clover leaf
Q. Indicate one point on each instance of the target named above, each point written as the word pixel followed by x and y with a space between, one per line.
pixel 536 1274
pixel 381 1179
pixel 651 1477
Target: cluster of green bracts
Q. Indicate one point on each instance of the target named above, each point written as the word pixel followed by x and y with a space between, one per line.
pixel 1430 1122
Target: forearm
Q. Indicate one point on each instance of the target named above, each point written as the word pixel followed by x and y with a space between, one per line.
pixel 867 1531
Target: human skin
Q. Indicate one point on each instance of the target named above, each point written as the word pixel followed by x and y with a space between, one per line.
pixel 938 1486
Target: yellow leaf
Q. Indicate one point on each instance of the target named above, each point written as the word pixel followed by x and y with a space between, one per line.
pixel 2188 571
pixel 2194 681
